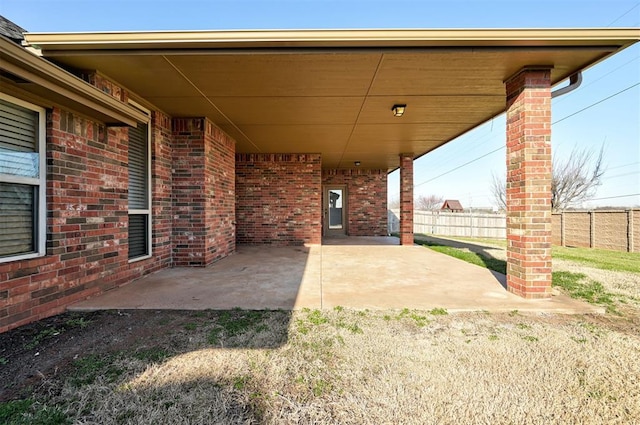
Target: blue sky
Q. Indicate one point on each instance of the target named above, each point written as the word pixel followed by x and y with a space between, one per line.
pixel 614 122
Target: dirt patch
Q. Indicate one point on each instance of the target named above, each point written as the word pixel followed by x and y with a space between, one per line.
pixel 335 367
pixel 45 350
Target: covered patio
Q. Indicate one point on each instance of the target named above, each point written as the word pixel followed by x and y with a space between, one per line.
pixel 355 272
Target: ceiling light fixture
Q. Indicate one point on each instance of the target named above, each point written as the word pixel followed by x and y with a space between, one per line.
pixel 356 163
pixel 398 110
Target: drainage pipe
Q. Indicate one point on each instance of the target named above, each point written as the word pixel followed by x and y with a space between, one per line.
pixel 574 82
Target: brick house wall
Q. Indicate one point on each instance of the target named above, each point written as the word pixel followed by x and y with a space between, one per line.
pixel 161 187
pixel 278 199
pixel 220 179
pixel 87 222
pixel 366 199
pixel 203 192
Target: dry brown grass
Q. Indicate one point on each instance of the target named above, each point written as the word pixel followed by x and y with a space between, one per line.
pixel 351 367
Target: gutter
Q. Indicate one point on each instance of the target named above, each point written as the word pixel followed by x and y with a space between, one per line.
pixel 574 82
pixel 29 67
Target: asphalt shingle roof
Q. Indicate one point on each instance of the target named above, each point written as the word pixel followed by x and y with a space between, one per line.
pixel 11 30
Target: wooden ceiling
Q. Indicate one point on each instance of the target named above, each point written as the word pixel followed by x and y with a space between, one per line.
pixel 336 101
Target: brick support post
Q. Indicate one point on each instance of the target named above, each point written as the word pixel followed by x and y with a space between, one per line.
pixel 406 199
pixel 203 185
pixel 529 183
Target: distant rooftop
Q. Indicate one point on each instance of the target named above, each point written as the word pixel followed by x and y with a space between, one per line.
pixel 452 204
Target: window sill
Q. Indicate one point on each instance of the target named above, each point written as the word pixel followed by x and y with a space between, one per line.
pixel 144 257
pixel 21 257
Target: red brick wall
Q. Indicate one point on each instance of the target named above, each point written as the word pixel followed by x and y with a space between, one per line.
pixel 406 199
pixel 529 183
pixel 366 199
pixel 87 217
pixel 161 178
pixel 278 199
pixel 220 176
pixel 203 192
pixel 86 224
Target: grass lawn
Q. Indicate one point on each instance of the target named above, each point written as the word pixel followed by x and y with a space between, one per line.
pixel 334 366
pixel 600 258
pixel 577 285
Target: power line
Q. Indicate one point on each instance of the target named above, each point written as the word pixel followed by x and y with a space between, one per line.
pixel 623 15
pixel 568 95
pixel 616 197
pixel 502 147
pixel 596 103
pixel 624 165
pixel 622 175
pixel 460 166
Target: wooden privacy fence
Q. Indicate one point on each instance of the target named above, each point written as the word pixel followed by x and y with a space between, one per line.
pixel 466 224
pixel 607 229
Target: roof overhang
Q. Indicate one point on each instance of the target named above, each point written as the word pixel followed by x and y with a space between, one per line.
pixel 23 73
pixel 331 91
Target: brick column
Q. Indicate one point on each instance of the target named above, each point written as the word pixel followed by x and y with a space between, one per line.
pixel 529 183
pixel 406 199
pixel 203 192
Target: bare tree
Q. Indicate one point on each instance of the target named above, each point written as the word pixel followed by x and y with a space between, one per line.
pixel 576 179
pixel 499 191
pixel 428 202
pixel 573 180
pixel 393 204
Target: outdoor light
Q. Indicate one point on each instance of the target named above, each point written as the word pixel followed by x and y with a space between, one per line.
pixel 398 110
pixel 356 163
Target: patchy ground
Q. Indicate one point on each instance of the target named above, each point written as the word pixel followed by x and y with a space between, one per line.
pixel 328 367
pixel 346 367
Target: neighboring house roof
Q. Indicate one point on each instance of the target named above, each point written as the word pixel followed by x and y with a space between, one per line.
pixel 331 91
pixel 452 204
pixel 11 30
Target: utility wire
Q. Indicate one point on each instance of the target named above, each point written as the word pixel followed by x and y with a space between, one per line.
pixel 624 14
pixel 615 197
pixel 460 166
pixel 633 173
pixel 596 103
pixel 502 147
pixel 624 165
pixel 583 86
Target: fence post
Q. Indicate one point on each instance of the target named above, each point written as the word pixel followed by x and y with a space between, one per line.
pixel 630 241
pixel 592 229
pixel 562 229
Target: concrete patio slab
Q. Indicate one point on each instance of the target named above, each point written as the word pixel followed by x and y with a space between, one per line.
pixel 360 273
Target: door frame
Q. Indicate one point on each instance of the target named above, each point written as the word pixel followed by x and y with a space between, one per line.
pixel 325 211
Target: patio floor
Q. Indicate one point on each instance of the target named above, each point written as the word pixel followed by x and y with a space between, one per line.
pixel 354 272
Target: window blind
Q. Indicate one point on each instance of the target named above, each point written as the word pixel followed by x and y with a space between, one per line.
pixel 17 214
pixel 138 168
pixel 137 235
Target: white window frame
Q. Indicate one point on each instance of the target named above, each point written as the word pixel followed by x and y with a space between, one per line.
pixel 40 182
pixel 148 211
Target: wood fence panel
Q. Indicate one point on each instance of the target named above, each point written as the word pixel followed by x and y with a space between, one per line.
pixel 606 229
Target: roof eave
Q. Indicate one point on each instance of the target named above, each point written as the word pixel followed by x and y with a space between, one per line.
pixel 25 65
pixel 334 38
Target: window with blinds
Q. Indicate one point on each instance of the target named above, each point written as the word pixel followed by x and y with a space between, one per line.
pixel 22 185
pixel 139 196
